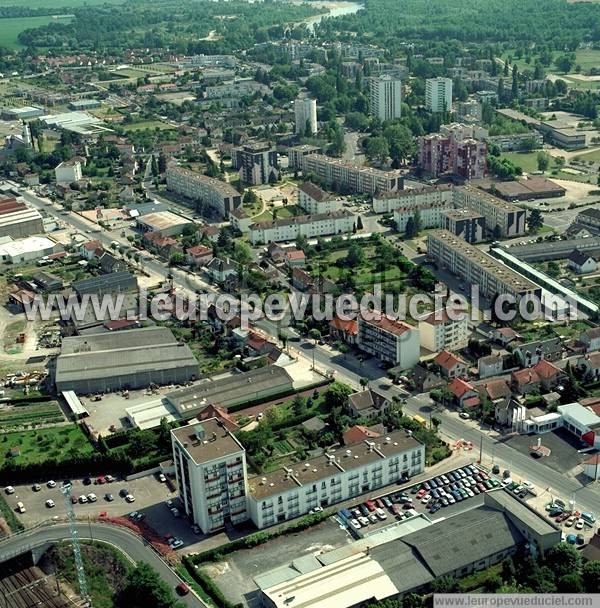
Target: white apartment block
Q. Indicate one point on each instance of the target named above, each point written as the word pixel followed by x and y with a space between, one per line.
pixel 218 195
pixel 310 226
pixel 440 332
pixel 387 202
pixel 210 465
pixel 335 476
pixel 391 341
pixel 345 175
pixel 305 115
pixel 385 95
pixel 502 217
pixel 236 88
pixel 438 94
pixel 315 200
pixel 474 266
pixel 430 216
pixel 68 172
pixel 460 131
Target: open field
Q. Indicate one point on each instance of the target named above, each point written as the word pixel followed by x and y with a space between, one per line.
pixel 44 444
pixel 58 3
pixel 526 160
pixel 11 28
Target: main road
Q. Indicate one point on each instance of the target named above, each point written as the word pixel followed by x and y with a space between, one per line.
pixel 134 547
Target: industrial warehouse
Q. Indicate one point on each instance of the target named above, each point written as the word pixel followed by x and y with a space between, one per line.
pixel 131 359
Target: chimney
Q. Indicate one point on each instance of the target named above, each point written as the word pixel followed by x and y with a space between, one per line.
pixel 200 432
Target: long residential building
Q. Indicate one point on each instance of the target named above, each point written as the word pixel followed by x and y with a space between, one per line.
pixel 391 341
pixel 210 466
pixel 341 174
pixel 476 267
pixel 310 226
pixel 501 217
pixel 315 200
pixel 335 476
pixel 218 195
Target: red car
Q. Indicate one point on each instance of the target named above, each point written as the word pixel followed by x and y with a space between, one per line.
pixel 379 503
pixel 101 480
pixel 74 499
pixel 421 493
pixel 182 589
pixel 370 505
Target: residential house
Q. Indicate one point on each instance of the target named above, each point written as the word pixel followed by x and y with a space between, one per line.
pixel 220 270
pixel 590 338
pixel 165 246
pixel 276 252
pixel 302 281
pixel 109 263
pixel 450 365
pixel 581 263
pixel 589 366
pixel 367 404
pixel 464 393
pixel 295 258
pixel 425 380
pixel 531 353
pixel 490 366
pixel 199 255
pixel 495 390
pixel 543 375
pixel 240 220
pixel 358 434
pixel 505 335
pixel 345 331
pixel 90 250
pixel 210 233
pixel 509 413
pixel 215 411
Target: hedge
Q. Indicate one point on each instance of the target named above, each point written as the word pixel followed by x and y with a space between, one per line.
pixel 9 515
pixel 259 538
pixel 208 586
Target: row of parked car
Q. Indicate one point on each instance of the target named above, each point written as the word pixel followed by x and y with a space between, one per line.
pixel 452 487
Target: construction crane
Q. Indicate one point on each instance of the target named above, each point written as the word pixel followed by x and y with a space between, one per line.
pixel 83 588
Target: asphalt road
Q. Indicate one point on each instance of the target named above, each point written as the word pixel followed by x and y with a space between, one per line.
pixel 135 548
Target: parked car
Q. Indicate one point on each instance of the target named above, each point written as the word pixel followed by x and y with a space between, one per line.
pixel 20 507
pixel 381 513
pixel 373 518
pixel 570 521
pixel 36 487
pixel 83 499
pixel 162 478
pixel 123 492
pixel 92 497
pixel 130 498
pixel 108 497
pixel 364 521
pixel 74 499
pixel 9 490
pixel 51 483
pixel 182 589
pixel 579 524
pixel 50 503
pixel 354 523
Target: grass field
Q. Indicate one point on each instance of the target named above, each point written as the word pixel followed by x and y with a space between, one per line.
pixel 11 28
pixel 526 160
pixel 44 444
pixel 589 156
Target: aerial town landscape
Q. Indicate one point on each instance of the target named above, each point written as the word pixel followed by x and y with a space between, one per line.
pixel 300 302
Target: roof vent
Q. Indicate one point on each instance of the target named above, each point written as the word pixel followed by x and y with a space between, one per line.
pixel 199 432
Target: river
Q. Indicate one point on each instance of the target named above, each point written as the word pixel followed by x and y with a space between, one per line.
pixel 336 9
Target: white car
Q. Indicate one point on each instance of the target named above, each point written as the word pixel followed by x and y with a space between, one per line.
pixel 363 520
pixel 579 524
pixel 162 478
pixel 130 498
pixel 464 415
pixel 83 499
pixel 425 499
pixel 9 490
pixel 175 512
pixel 380 513
pixel 354 524
pixel 373 518
pixel 92 497
pixel 51 483
pixel 176 543
pixel 50 503
pixel 36 487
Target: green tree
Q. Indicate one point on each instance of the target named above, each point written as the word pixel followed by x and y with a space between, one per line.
pixel 356 256
pixel 563 559
pixel 535 221
pixel 145 588
pixel 591 577
pixel 571 583
pixel 336 395
pixel 444 584
pixel 543 161
pixel 377 149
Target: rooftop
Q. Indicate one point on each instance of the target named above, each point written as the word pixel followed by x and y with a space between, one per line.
pixel 302 219
pixel 330 464
pixel 207 440
pixel 483 260
pixel 223 188
pixel 162 220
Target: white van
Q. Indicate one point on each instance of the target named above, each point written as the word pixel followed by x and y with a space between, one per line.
pixel 20 507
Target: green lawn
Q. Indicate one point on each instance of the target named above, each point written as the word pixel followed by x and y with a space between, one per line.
pixel 589 156
pixel 11 28
pixel 44 444
pixel 30 414
pixel 587 59
pixel 526 160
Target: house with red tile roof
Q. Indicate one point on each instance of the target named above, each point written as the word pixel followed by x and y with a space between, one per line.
pixel 344 330
pixel 91 249
pixel 542 375
pixel 221 414
pixel 359 433
pixel 295 258
pixel 450 365
pixel 464 393
pixel 199 255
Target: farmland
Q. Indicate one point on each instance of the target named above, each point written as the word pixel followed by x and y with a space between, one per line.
pixel 15 416
pixel 10 28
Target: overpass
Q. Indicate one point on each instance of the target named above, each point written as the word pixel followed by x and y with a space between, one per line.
pixel 137 549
